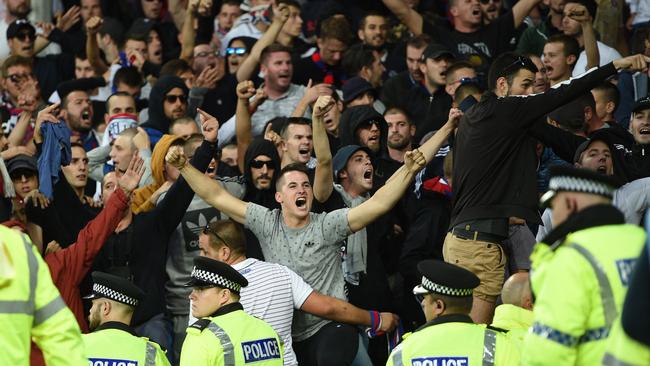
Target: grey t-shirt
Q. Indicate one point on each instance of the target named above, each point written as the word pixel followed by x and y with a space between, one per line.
pixel 311 251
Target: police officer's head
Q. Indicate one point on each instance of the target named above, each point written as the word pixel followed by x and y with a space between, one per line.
pixel 572 190
pixel 445 289
pixel 223 240
pixel 114 299
pixel 512 74
pixel 215 284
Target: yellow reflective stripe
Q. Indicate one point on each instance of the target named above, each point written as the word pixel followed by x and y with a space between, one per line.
pixel 150 358
pixel 606 293
pixel 489 347
pixel 226 344
pixel 44 313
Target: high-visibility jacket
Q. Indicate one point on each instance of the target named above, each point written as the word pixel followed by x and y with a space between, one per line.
pixel 114 343
pixel 454 340
pixel 515 320
pixel 579 283
pixel 231 337
pixel 31 308
pixel 622 350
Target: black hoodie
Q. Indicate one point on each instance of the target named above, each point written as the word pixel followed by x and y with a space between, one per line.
pixel 157 119
pixel 265 198
pixel 351 119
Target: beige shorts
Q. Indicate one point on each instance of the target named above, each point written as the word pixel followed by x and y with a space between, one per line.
pixel 486 260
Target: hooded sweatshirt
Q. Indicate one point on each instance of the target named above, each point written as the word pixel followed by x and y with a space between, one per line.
pixel 141 202
pixel 265 198
pixel 158 123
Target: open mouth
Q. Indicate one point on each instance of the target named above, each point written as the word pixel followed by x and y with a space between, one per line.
pixel 301 202
pixel 283 77
pixel 602 169
pixel 85 116
pixel 548 70
pixel 367 174
pixel 644 130
pixel 476 11
pixel 303 151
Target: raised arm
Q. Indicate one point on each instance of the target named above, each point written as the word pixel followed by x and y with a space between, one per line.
pixel 411 18
pixel 433 144
pixel 247 68
pixel 187 32
pixel 521 10
pixel 312 92
pixel 580 14
pixel 245 90
pixel 341 311
pixel 92 48
pixel 388 195
pixel 324 175
pixel 208 189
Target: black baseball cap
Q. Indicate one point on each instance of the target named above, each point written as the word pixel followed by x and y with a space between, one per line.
pixel 641 104
pixel 436 50
pixel 19 25
pixel 22 161
pixel 355 87
pixel 342 156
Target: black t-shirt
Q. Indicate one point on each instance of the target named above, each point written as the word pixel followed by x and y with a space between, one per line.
pixel 479 47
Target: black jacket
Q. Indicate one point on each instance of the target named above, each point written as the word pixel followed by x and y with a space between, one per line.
pixel 495 161
pixel 429 111
pixel 157 119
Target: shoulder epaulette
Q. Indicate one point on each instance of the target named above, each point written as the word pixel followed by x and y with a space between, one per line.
pixel 497 329
pixel 200 324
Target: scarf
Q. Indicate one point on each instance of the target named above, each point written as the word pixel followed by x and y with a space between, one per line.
pixel 357 243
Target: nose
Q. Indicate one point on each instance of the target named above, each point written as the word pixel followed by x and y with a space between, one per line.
pixel 374 127
pixel 264 169
pixel 23 178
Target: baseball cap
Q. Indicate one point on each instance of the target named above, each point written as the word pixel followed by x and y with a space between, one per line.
pixel 355 87
pixel 113 28
pixel 641 104
pixel 343 155
pixel 436 50
pixel 570 179
pixel 18 25
pixel 22 161
pixel 570 115
pixel 142 26
pixel 600 135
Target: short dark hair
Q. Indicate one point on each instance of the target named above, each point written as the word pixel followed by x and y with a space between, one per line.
pixel 508 65
pixel 181 121
pixel 293 167
pixel 116 94
pixel 175 67
pixel 293 121
pixel 465 90
pixel 399 110
pixel 454 305
pixel 81 54
pixel 356 57
pixel 570 44
pixel 273 48
pixel 420 41
pixel 15 60
pixel 136 37
pixel 130 76
pixel 76 144
pixel 293 3
pixel 457 66
pixel 336 28
pixel 372 13
pixel 228 233
pixel 610 92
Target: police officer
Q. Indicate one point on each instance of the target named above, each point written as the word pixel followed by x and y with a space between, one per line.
pixel 450 337
pixel 580 271
pixel 112 339
pixel 225 335
pixel 31 307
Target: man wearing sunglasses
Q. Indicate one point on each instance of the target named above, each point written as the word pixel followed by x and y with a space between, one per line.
pixel 167 102
pixel 459 73
pixel 495 167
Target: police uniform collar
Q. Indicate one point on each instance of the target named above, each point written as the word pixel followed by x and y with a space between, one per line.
pixel 228 308
pixel 597 215
pixel 447 318
pixel 116 325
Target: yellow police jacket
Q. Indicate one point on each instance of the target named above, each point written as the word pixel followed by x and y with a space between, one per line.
pixel 579 283
pixel 31 308
pixel 231 337
pixel 515 320
pixel 453 340
pixel 621 350
pixel 115 343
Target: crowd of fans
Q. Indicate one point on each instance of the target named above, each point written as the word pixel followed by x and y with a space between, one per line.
pixel 291 110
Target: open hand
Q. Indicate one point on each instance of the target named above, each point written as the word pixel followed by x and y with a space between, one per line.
pixel 131 177
pixel 37 198
pixel 314 91
pixel 414 160
pixel 65 21
pixel 209 126
pixel 176 157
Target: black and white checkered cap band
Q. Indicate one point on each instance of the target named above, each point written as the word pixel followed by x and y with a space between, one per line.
pixel 114 295
pixel 444 290
pixel 575 184
pixel 215 279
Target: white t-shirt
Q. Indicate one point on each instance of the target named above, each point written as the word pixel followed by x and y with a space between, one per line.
pixel 607 55
pixel 273 292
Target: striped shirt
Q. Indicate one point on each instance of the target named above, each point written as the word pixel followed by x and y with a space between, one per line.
pixel 273 292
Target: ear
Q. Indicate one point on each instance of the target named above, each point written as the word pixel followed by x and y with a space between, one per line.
pixel 448 89
pixel 365 72
pixel 609 107
pixel 412 130
pixel 63 114
pixel 319 43
pixel 343 174
pixel 571 60
pixel 278 197
pixel 106 308
pixel 360 35
pixel 283 146
pixel 225 252
pixel 589 113
pixel 454 11
pixel 423 67
pixel 502 86
pixel 107 118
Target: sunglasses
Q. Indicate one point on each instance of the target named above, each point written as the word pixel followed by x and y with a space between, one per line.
pixel 171 98
pixel 235 51
pixel 520 63
pixel 370 123
pixel 19 173
pixel 208 231
pixel 464 81
pixel 258 164
pixel 25 36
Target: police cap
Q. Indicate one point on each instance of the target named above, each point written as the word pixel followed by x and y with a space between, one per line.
pixel 445 279
pixel 115 288
pixel 210 272
pixel 569 179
